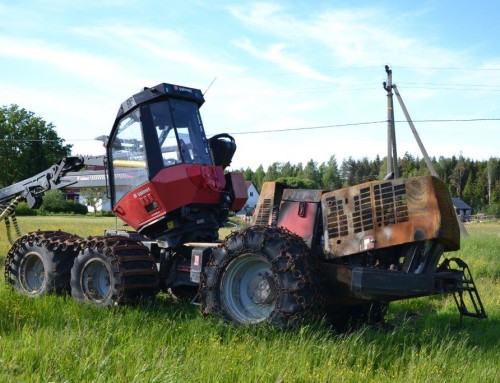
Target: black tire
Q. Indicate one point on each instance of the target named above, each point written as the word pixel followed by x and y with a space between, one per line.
pixel 114 270
pixel 95 278
pixel 260 275
pixel 39 263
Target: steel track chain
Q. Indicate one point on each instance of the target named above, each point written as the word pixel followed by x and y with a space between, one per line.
pixel 294 252
pixel 123 250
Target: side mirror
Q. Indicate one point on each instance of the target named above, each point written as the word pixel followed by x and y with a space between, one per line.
pixel 223 147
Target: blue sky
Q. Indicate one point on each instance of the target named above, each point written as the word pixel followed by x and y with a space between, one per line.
pixel 277 65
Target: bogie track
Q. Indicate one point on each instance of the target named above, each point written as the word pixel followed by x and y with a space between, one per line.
pixel 39 263
pixel 102 270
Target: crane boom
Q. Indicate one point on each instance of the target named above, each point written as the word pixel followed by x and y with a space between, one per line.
pixel 33 188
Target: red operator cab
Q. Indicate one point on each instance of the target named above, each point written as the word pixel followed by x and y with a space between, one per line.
pixel 167 179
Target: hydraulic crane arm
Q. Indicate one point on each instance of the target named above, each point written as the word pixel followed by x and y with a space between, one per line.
pixel 33 188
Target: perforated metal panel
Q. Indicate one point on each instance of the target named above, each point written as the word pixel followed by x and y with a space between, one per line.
pixel 386 213
pixel 336 218
pixel 390 203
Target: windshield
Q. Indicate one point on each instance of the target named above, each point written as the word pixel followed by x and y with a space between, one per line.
pixel 180 132
pixel 138 150
pixel 128 156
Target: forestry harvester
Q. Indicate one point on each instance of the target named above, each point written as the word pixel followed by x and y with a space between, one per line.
pixel 348 252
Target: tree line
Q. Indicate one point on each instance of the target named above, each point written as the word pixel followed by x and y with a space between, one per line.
pixel 29 145
pixel 475 182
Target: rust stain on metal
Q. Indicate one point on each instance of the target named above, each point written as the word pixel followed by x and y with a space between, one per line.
pixel 386 213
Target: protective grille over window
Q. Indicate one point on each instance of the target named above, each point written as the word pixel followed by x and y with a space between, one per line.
pixel 337 219
pixel 390 203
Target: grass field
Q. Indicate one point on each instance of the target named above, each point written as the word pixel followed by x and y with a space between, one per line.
pixel 55 339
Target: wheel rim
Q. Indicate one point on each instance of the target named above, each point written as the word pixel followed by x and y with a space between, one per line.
pixel 32 273
pixel 96 280
pixel 248 290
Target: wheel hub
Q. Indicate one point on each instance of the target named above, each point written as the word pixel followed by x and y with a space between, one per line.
pixel 248 290
pixel 32 273
pixel 261 289
pixel 96 280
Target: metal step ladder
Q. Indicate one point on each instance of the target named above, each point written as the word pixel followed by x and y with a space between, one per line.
pixel 465 293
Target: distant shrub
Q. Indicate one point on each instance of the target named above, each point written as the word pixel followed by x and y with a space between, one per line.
pixel 23 210
pixel 296 182
pixel 75 208
pixel 493 209
pixel 55 203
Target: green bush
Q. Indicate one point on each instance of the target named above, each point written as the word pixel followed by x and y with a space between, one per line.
pixel 54 202
pixel 23 209
pixel 296 182
pixel 493 209
pixel 75 208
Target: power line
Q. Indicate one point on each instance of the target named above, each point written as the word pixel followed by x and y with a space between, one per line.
pixel 361 123
pixel 293 129
pixel 335 69
pixel 226 92
pixel 309 127
pixel 46 140
pixel 447 68
pixel 451 84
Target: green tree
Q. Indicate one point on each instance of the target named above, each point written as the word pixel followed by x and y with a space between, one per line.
pixel 330 174
pixel 295 182
pixel 348 172
pixel 491 171
pixel 273 172
pixel 28 145
pixel 247 174
pixel 53 201
pixel 288 170
pixel 94 196
pixel 311 172
pixel 258 177
pixel 458 176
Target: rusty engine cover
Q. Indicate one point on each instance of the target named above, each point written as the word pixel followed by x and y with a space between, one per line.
pixel 380 214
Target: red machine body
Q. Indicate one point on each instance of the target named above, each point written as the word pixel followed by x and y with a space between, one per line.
pixel 170 189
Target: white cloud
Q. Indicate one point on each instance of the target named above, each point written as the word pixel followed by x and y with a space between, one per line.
pixel 90 68
pixel 276 54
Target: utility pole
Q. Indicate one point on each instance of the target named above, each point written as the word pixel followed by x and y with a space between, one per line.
pixel 415 133
pixel 392 155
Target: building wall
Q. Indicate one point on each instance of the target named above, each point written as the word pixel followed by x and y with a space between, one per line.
pixel 253 197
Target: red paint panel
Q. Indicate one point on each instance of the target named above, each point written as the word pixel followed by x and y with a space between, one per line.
pixel 301 225
pixel 171 189
pixel 239 189
pixel 132 207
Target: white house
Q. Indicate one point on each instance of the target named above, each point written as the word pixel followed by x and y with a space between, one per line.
pixel 253 197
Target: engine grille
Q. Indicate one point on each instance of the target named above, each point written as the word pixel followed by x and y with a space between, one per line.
pixel 380 204
pixel 390 203
pixel 337 219
pixel 362 217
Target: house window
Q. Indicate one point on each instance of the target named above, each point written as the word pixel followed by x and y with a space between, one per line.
pixel 251 194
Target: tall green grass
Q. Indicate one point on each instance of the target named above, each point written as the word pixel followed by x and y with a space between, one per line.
pixel 55 339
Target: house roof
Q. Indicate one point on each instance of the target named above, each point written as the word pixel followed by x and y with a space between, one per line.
pixel 249 183
pixel 458 203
